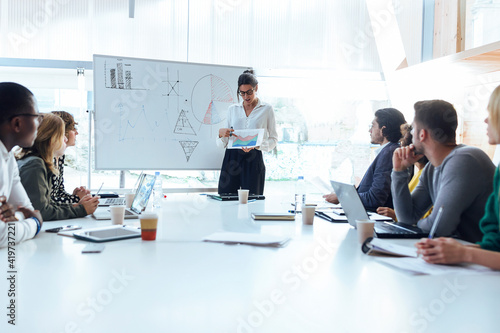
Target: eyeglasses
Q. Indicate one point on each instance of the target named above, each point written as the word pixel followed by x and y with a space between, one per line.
pixel 38 115
pixel 248 92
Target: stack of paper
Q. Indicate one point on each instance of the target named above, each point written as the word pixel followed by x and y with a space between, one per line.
pixel 274 216
pixel 249 239
pixel 382 246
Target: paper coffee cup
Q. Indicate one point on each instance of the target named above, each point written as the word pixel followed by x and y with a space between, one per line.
pixel 308 214
pixel 365 229
pixel 117 214
pixel 243 196
pixel 129 198
pixel 149 224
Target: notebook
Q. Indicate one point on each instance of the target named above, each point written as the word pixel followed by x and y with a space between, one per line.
pixel 139 204
pixel 234 197
pixel 354 210
pixel 274 216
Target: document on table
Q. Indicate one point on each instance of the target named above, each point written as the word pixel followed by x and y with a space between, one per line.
pixel 246 238
pixel 377 245
pixel 418 265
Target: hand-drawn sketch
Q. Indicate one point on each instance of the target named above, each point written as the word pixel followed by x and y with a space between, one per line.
pixel 210 99
pixel 188 147
pixel 248 138
pixel 183 125
pixel 118 75
pixel 135 129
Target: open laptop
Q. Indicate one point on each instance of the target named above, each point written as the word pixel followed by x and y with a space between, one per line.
pixel 234 197
pixel 354 210
pixel 139 204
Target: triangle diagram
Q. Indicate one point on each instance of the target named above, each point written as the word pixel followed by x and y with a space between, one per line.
pixel 183 126
pixel 188 147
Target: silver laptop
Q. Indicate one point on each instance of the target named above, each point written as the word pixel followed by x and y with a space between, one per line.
pixel 111 202
pixel 354 210
pixel 139 204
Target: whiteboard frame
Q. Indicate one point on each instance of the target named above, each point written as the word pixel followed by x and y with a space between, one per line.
pixel 93 114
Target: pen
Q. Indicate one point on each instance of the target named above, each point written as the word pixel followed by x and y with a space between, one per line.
pixel 436 222
pixel 294 211
pixel 99 190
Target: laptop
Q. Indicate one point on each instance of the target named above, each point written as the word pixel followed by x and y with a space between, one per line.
pixel 354 210
pixel 234 197
pixel 139 204
pixel 111 202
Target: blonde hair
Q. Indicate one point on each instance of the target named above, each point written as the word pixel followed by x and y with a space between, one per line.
pixel 494 109
pixel 48 139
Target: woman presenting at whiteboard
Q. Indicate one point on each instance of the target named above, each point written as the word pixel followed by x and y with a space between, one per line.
pixel 244 168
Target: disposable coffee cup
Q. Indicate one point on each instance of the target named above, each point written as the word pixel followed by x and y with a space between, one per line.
pixel 149 223
pixel 129 198
pixel 308 214
pixel 365 229
pixel 117 214
pixel 243 196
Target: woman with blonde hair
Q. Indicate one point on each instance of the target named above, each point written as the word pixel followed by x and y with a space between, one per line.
pixel 36 167
pixel 58 192
pixel 486 252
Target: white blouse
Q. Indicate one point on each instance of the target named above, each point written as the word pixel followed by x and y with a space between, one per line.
pixel 262 116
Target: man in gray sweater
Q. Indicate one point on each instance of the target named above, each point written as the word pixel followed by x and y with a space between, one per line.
pixel 458 178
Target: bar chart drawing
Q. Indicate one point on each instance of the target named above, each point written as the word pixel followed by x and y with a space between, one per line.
pixel 118 75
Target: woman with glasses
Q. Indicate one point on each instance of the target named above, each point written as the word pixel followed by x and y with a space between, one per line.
pixel 244 168
pixel 36 167
pixel 58 192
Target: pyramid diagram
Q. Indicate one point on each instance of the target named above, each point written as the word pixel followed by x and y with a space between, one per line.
pixel 183 126
pixel 188 147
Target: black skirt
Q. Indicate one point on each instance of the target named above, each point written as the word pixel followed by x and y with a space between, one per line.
pixel 242 170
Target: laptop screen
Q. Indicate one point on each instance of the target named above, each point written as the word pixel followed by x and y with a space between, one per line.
pixel 143 193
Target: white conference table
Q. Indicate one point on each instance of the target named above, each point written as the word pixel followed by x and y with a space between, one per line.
pixel 319 282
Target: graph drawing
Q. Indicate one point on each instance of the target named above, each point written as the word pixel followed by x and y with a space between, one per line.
pixel 210 99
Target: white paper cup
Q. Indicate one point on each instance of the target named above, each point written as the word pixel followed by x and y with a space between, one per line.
pixel 117 214
pixel 243 196
pixel 129 198
pixel 365 229
pixel 308 214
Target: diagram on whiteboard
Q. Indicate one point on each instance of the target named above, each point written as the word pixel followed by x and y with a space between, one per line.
pixel 210 99
pixel 183 125
pixel 136 126
pixel 119 75
pixel 188 147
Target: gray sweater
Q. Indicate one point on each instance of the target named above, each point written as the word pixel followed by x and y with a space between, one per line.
pixel 36 180
pixel 461 185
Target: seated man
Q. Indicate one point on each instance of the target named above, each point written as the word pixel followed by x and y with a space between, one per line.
pixel 458 178
pixel 375 187
pixel 18 125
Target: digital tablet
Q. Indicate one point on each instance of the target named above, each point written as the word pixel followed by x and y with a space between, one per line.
pixel 108 234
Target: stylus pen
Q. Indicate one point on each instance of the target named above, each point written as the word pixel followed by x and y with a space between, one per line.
pixel 99 190
pixel 436 222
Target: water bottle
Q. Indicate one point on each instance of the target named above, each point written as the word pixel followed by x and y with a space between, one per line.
pixel 300 193
pixel 157 191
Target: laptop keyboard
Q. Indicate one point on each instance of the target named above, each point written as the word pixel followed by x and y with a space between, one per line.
pixel 393 229
pixel 114 201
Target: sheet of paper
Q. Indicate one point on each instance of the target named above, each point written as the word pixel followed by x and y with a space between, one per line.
pixel 418 265
pixel 384 245
pixel 246 238
pixel 323 186
pixel 247 138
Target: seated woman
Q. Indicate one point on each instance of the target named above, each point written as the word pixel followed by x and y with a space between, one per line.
pixel 487 252
pixel 58 192
pixel 36 167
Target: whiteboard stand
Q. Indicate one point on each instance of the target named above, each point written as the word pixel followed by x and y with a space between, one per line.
pixel 91 113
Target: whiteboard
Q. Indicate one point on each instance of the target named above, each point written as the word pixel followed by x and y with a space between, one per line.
pixel 160 115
